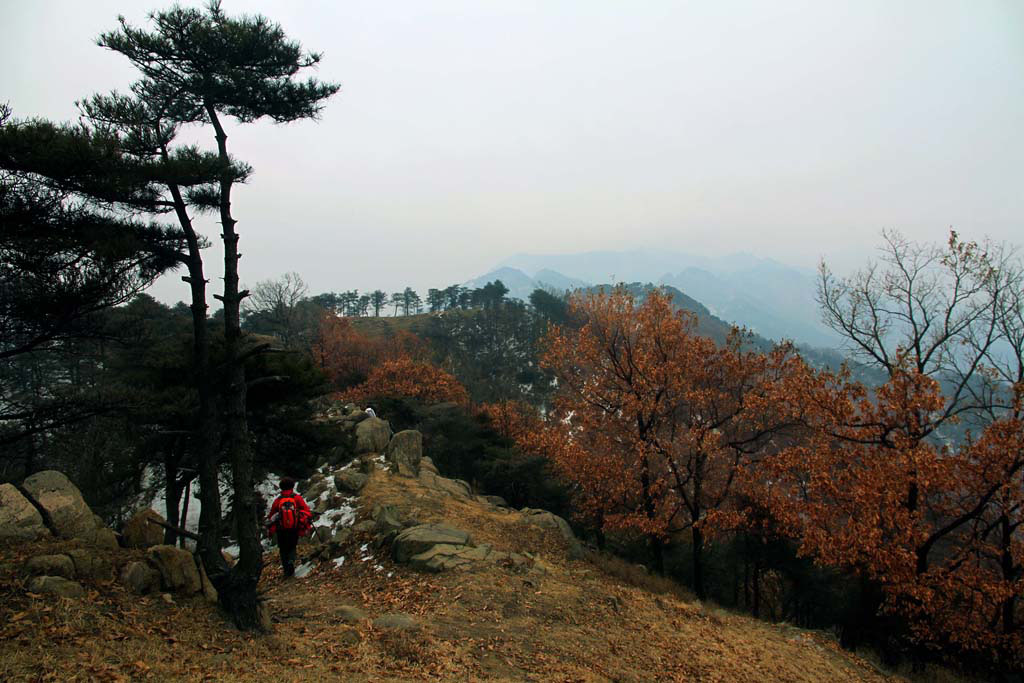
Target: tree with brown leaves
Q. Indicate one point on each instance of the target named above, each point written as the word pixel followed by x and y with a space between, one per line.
pixel 885 487
pixel 653 424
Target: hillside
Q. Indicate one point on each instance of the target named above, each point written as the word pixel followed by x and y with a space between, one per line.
pixel 773 299
pixel 510 604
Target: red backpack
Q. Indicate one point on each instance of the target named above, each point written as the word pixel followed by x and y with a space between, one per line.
pixel 289 512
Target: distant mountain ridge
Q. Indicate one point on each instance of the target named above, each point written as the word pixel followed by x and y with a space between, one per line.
pixel 771 298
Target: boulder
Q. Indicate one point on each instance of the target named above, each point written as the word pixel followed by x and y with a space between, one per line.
pixel 364 527
pixel 550 520
pixel 396 622
pixel 177 569
pixel 350 481
pixel 442 557
pixel 314 488
pixel 386 519
pixel 90 564
pixel 102 538
pixel 355 418
pixel 63 502
pixel 209 592
pixel 19 519
pixel 419 539
pixel 453 487
pixel 140 578
pixel 140 532
pixel 426 463
pixel 51 565
pixel 56 585
pixel 494 501
pixel 404 452
pixel 372 435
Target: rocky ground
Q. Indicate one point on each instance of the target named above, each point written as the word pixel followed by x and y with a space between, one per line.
pixel 411 577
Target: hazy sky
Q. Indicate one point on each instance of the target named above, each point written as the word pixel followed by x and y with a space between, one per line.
pixel 468 131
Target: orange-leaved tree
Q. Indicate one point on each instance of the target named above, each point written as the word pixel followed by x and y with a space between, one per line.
pixel 653 424
pixel 347 356
pixel 342 352
pixel 403 377
pixel 512 420
pixel 929 517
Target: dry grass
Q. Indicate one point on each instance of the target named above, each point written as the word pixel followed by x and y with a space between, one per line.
pixel 560 621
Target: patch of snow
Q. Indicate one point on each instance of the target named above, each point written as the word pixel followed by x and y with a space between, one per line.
pixel 338 561
pixel 303 570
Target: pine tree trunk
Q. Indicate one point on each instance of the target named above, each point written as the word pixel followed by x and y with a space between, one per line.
pixel 239 590
pixel 206 442
pixel 172 496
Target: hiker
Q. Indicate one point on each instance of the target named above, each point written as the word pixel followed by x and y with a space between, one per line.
pixel 289 518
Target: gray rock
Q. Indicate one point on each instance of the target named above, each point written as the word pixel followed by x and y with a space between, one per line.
pixel 51 565
pixel 19 519
pixel 426 463
pixel 63 502
pixel 90 564
pixel 314 488
pixel 386 519
pixel 372 435
pixel 550 520
pixel 496 501
pixel 453 487
pixel 350 481
pixel 419 539
pixel 364 527
pixel 140 532
pixel 396 622
pixel 56 585
pixel 140 578
pixel 209 592
pixel 177 569
pixel 341 535
pixel 355 418
pixel 102 538
pixel 443 557
pixel 404 452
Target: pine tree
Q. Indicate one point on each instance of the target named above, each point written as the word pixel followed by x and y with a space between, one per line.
pixel 204 65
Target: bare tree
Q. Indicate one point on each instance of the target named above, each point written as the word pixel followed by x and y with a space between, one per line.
pixel 921 308
pixel 274 307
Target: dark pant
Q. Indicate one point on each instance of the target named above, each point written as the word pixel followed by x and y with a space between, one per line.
pixel 286 542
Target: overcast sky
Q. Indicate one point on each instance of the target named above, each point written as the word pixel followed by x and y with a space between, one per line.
pixel 466 132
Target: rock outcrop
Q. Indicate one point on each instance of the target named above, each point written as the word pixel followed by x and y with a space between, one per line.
pixel 423 537
pixel 372 435
pixel 178 571
pixel 51 565
pixel 68 514
pixel 404 452
pixel 19 518
pixel 56 585
pixel 91 564
pixel 350 481
pixel 140 531
pixel 63 502
pixel 140 578
pixel 453 487
pixel 550 520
